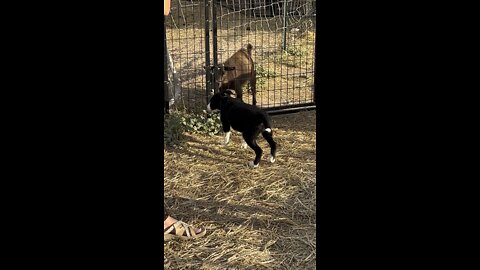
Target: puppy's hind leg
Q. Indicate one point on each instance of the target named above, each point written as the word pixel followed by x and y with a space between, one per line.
pixel 251 139
pixel 267 134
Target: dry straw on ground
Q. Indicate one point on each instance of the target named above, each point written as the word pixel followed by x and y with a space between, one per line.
pixel 261 218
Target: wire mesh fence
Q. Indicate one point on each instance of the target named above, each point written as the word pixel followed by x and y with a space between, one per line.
pixel 185 30
pixel 201 33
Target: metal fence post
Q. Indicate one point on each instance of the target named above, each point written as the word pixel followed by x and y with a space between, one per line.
pixel 165 70
pixel 207 51
pixel 215 47
pixel 284 25
pixel 315 70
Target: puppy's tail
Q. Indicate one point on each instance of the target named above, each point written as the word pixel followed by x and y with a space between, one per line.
pixel 267 124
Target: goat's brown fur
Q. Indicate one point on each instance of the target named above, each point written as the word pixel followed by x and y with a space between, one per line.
pixel 237 71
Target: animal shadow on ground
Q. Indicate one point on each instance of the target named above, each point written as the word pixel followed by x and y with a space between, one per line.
pixel 202 151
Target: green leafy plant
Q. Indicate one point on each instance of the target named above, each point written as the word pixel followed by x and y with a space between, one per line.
pixel 173 129
pixel 177 123
pixel 263 74
pixel 200 123
pixel 296 51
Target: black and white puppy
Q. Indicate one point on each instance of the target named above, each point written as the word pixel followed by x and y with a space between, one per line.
pixel 247 119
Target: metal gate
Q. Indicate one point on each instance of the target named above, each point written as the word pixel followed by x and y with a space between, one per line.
pixel 203 33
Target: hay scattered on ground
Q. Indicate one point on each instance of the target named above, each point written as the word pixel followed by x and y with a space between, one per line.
pixel 261 218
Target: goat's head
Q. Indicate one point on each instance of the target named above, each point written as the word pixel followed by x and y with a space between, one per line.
pixel 222 70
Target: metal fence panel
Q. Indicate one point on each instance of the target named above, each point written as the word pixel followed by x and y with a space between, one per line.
pixel 282 33
pixel 185 27
pixel 283 37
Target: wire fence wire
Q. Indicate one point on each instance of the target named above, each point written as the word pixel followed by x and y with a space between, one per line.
pixel 282 33
pixel 185 30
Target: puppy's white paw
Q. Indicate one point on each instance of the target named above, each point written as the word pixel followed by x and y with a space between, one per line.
pixel 271 159
pixel 252 165
pixel 244 145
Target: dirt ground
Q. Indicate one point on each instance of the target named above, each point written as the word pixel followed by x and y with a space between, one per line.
pixel 261 218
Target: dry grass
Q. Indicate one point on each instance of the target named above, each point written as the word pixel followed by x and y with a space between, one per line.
pixel 261 218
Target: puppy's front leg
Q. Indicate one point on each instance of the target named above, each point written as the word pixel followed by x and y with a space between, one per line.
pixel 226 129
pixel 226 140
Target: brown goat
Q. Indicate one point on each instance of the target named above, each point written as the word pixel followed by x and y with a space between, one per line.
pixel 237 71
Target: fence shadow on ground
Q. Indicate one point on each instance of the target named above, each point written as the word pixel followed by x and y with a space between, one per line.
pixel 303 121
pixel 192 99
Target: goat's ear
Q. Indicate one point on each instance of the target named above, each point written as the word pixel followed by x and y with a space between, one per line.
pixel 228 68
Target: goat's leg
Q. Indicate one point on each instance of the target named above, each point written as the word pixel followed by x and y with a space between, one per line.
pixel 238 89
pixel 253 85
